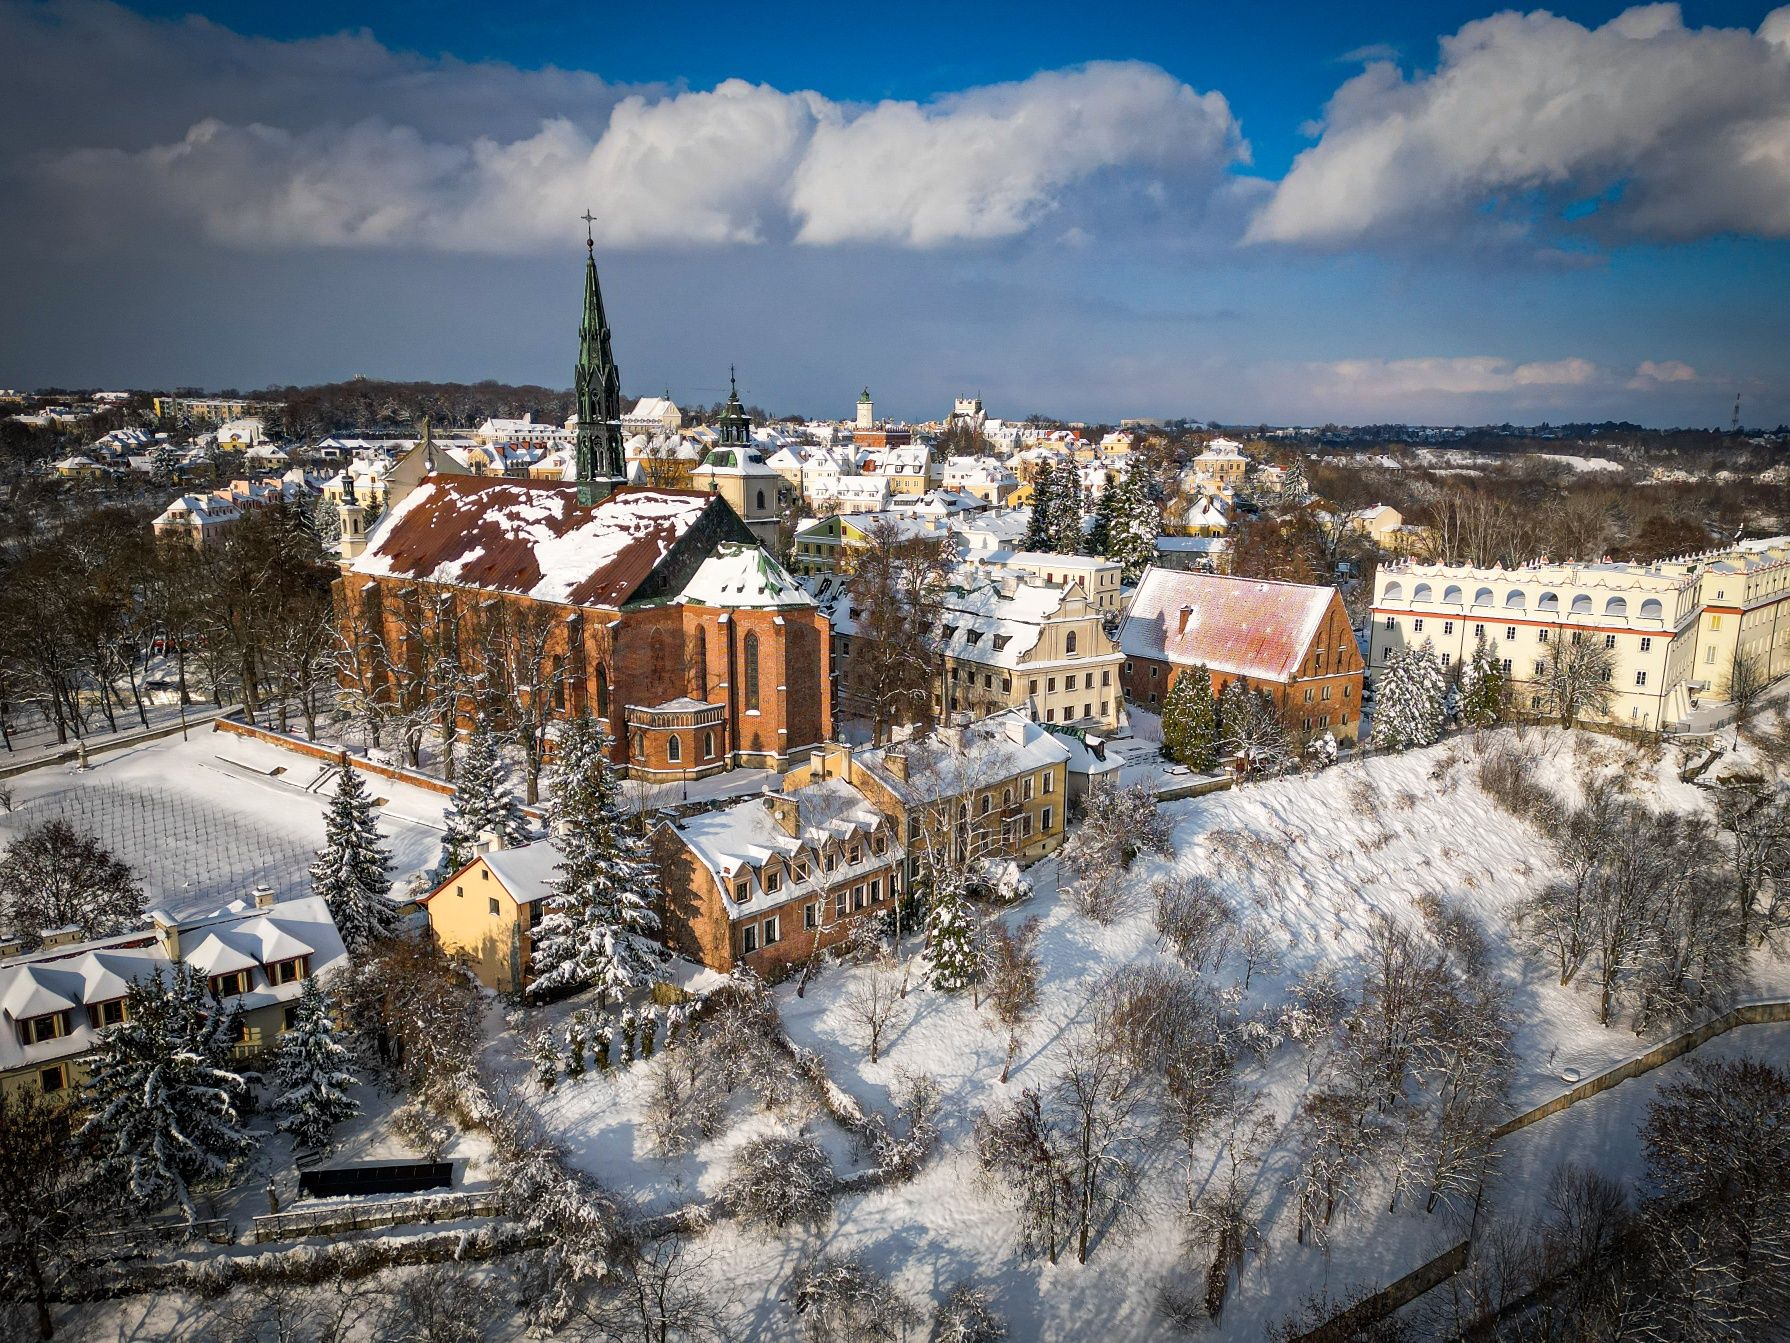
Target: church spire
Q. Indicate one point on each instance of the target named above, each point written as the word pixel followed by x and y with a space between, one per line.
pixel 596 383
pixel 735 427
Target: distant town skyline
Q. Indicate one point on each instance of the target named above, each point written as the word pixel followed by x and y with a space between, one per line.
pixel 1425 214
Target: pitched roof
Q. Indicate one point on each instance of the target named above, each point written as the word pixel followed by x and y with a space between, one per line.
pixel 1239 626
pixel 533 537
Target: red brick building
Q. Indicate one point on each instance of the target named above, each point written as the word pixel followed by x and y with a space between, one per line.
pixel 654 609
pixel 1290 639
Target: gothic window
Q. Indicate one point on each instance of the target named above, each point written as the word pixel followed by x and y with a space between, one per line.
pixel 674 748
pixel 1069 643
pixel 699 664
pixel 602 693
pixel 761 501
pixel 751 658
pixel 708 746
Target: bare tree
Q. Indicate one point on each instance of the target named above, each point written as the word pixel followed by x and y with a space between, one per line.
pixel 1014 974
pixel 53 876
pixel 653 1294
pixel 1576 676
pixel 1194 921
pixel 839 1299
pixel 1744 684
pixel 1758 823
pixel 872 1006
pixel 965 1316
pixel 894 584
pixel 1022 1150
pixel 1222 1225
pixel 49 1196
pixel 1099 1096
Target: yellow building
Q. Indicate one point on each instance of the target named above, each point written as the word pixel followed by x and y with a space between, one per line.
pixel 482 915
pixel 57 999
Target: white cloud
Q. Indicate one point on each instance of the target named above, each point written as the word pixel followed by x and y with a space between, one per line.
pixel 1387 380
pixel 741 163
pixel 1656 131
pixel 1650 375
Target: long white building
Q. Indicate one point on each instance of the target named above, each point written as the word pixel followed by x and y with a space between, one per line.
pixel 1675 626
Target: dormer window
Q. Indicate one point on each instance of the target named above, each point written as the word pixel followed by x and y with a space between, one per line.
pixel 228 986
pixel 37 1030
pixel 286 972
pixel 101 1015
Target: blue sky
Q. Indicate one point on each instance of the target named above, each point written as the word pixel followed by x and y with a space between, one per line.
pixel 1298 213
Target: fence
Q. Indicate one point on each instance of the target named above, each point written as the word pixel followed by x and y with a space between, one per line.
pixel 142 1238
pixel 319 751
pixel 371 1215
pixel 1438 1270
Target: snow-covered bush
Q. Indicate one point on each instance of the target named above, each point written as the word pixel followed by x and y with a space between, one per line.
pixel 965 1316
pixel 1194 922
pixel 839 1299
pixel 685 1101
pixel 780 1180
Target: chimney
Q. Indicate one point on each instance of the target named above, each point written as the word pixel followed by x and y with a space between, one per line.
pixel 896 762
pixel 167 932
pixel 62 937
pixel 491 841
pixel 784 810
pixel 10 946
pixel 264 897
pixel 1181 625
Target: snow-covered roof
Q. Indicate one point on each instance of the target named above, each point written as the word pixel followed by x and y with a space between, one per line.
pixel 952 761
pixel 744 576
pixel 1253 627
pixel 526 871
pixel 533 537
pixel 987 624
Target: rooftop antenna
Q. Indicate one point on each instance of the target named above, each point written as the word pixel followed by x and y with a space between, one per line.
pixel 1734 424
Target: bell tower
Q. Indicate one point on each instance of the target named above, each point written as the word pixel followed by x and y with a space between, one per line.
pixel 597 385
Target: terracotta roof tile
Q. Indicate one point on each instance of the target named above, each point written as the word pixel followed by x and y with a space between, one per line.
pixel 532 538
pixel 1239 626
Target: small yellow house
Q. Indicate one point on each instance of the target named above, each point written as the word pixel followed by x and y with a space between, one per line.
pixel 482 914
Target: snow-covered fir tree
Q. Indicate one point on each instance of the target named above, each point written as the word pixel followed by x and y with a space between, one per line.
pixel 164 460
pixel 165 1103
pixel 1044 493
pixel 326 521
pixel 1127 523
pixel 311 1070
pixel 350 869
pixel 1190 720
pixel 1410 700
pixel 1065 535
pixel 482 802
pixel 951 954
pixel 599 915
pixel 1485 689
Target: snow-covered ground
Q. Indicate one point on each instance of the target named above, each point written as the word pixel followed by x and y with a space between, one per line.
pixel 205 820
pixel 1319 853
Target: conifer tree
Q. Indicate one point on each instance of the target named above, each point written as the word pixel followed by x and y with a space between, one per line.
pixel 164 460
pixel 165 1101
pixel 1484 687
pixel 311 1068
pixel 1065 534
pixel 1190 721
pixel 1127 523
pixel 1044 493
pixel 951 955
pixel 1410 700
pixel 482 802
pixel 350 869
pixel 600 912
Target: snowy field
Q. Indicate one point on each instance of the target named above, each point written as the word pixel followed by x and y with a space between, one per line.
pixel 202 822
pixel 1320 854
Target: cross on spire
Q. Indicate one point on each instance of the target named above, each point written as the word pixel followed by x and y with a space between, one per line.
pixel 589 220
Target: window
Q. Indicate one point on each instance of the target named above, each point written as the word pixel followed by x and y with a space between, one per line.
pixel 674 748
pixel 1050 686
pixel 987 804
pixel 770 931
pixel 801 869
pixel 1044 819
pixel 876 890
pixel 1032 686
pixel 1541 666
pixel 761 501
pixel 773 882
pixel 52 1078
pixel 35 1030
pixel 811 915
pixel 1479 631
pixel 750 656
pixel 748 939
pixel 1609 641
pixel 830 860
pixel 106 1014
pixel 1577 635
pixel 602 693
pixel 1535 701
pixel 1715 622
pixel 708 746
pixel 1069 642
pixel 857 896
pixel 1446 658
pixel 1050 783
pixel 1640 678
pixel 1505 664
pixel 1541 636
pixel 1106 676
pixel 1391 622
pixel 1310 694
pixel 289 1018
pixel 460 891
pixel 1606 674
pixel 494 906
pixel 1709 658
pixel 1417 624
pixel 1050 715
pixel 1647 645
pixel 1152 677
pixel 286 972
pixel 1025 789
pixel 1510 632
pixel 1448 627
pixel 237 981
pixel 559 694
pixel 839 905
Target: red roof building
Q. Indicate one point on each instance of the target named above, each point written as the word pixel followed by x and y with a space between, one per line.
pixel 1290 639
pixel 653 609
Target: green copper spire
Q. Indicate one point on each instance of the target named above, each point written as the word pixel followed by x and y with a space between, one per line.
pixel 735 428
pixel 597 385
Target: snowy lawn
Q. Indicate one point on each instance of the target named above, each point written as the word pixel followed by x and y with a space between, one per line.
pixel 204 821
pixel 1318 854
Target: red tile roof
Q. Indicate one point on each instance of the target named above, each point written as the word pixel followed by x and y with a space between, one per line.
pixel 1253 627
pixel 532 538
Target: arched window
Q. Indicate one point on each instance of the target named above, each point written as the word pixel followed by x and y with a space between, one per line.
pixel 674 748
pixel 1550 601
pixel 1651 609
pixel 1421 593
pixel 987 803
pixel 1616 606
pixel 751 658
pixel 1006 798
pixel 1451 593
pixel 699 664
pixel 1515 599
pixel 708 746
pixel 1483 597
pixel 639 745
pixel 1581 605
pixel 1395 592
pixel 761 501
pixel 602 693
pixel 1069 642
